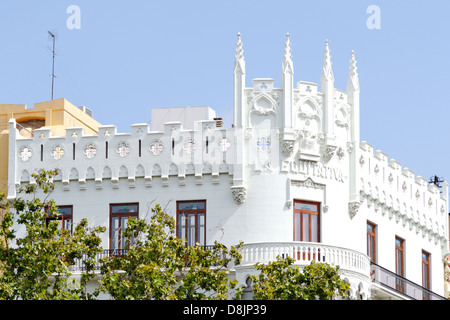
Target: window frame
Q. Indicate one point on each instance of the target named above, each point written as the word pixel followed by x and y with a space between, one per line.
pixel 372 241
pixel 197 213
pixel 400 269
pixel 426 270
pixel 62 217
pixel 300 222
pixel 120 215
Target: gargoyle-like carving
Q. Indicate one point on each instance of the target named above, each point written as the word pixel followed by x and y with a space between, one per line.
pixel 287 147
pixel 239 194
pixel 353 208
pixel 328 151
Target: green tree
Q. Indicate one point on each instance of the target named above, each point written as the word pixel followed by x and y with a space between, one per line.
pixel 36 266
pixel 281 280
pixel 158 265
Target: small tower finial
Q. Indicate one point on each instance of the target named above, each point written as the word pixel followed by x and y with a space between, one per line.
pixel 327 71
pixel 287 59
pixel 353 73
pixel 239 51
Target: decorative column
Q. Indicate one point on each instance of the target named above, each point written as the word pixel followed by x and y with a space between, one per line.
pixel 327 88
pixel 353 92
pixel 238 189
pixel 287 84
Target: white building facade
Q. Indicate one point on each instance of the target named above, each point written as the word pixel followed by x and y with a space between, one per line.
pixel 290 177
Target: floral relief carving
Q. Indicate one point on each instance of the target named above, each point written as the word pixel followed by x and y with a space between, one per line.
pixel 25 153
pixel 239 194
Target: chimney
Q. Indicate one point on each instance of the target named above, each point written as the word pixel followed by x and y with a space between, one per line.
pixel 86 110
pixel 219 122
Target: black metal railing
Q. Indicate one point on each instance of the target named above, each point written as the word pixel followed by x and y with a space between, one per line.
pixel 400 284
pixel 79 264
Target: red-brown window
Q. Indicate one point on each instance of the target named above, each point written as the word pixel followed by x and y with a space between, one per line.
pixel 191 221
pixel 306 221
pixel 119 215
pixel 400 263
pixel 399 256
pixel 426 270
pixel 372 241
pixel 65 215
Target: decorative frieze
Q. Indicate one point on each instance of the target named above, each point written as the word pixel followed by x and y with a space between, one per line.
pixel 308 183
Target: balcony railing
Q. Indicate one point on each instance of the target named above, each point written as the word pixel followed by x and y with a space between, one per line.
pixel 79 264
pixel 304 252
pixel 401 285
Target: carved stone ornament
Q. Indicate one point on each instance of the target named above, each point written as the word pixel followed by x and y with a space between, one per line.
pixel 90 151
pixel 349 147
pixel 123 149
pixel 321 138
pixel 308 183
pixel 353 208
pixel 58 152
pixel 156 148
pixel 223 144
pixel 239 194
pixel 361 161
pixel 340 153
pixel 327 152
pixel 391 177
pixel 376 169
pixel 287 147
pixel 189 146
pixel 25 153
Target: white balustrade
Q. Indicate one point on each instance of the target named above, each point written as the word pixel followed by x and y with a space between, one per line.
pixel 304 252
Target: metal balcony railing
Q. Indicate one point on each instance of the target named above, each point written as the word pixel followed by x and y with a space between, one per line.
pixel 401 285
pixel 79 264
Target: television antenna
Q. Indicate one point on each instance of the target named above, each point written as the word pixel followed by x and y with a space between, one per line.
pixel 436 181
pixel 53 65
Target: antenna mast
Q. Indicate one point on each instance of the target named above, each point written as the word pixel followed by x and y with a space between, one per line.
pixel 53 67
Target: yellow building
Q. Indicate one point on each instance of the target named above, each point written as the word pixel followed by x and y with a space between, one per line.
pixel 56 115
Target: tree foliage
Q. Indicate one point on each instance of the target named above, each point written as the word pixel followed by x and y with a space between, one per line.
pixel 155 265
pixel 36 266
pixel 281 280
pixel 158 265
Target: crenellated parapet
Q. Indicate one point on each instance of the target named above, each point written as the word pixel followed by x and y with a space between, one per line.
pixel 109 155
pixel 398 194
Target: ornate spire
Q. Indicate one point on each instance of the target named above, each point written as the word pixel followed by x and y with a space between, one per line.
pixel 353 79
pixel 287 65
pixel 239 57
pixel 327 71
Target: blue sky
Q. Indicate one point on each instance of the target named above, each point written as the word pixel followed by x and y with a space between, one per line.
pixel 131 56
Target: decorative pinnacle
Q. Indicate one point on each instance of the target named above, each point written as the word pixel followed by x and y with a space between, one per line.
pixel 353 68
pixel 287 59
pixel 327 71
pixel 239 51
pixel 352 72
